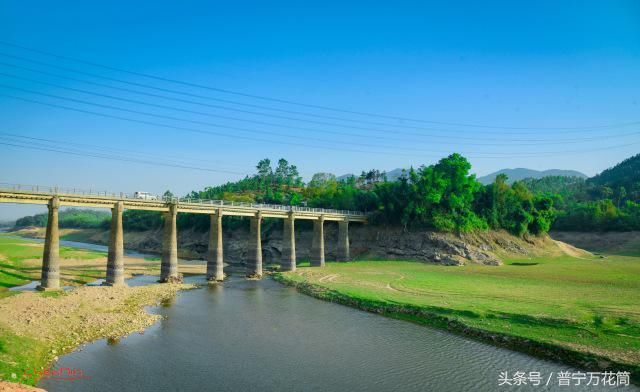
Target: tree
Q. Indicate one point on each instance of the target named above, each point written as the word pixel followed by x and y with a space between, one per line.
pixel 282 171
pixel 167 195
pixel 622 195
pixel 440 196
pixel 320 180
pixel 286 174
pixel 443 196
pixel 264 168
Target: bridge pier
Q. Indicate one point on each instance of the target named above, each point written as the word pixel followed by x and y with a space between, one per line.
pixel 343 240
pixel 288 261
pixel 115 259
pixel 169 264
pixel 50 278
pixel 215 259
pixel 317 244
pixel 254 253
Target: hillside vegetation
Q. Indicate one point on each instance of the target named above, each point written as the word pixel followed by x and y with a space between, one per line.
pixel 69 218
pixel 443 197
pixel 609 201
pixel 522 173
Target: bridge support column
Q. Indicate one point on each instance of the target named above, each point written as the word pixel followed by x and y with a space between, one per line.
pixel 343 240
pixel 317 245
pixel 169 264
pixel 115 259
pixel 215 260
pixel 254 253
pixel 288 261
pixel 50 278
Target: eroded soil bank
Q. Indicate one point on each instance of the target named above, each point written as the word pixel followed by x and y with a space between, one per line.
pixel 367 242
pixel 624 243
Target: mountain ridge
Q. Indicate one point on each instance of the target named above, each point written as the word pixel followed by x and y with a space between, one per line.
pixel 521 173
pixel 514 174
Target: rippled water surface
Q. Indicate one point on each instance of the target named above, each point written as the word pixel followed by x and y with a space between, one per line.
pixel 260 336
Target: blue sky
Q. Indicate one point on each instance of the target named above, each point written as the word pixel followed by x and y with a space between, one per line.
pixel 532 77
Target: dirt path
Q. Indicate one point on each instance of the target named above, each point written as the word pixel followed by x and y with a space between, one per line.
pixel 328 278
pixel 572 251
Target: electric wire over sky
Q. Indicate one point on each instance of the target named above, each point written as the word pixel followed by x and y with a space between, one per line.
pixel 169 103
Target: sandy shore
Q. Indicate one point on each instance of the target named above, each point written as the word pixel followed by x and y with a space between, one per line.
pixel 36 329
pixel 13 387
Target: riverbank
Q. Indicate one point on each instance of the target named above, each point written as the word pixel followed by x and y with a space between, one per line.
pixel 36 329
pixel 576 310
pixel 367 242
pixel 21 262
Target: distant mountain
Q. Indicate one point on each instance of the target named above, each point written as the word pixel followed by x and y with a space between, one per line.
pixel 521 173
pixel 513 174
pixel 625 173
pixel 395 174
pixel 391 175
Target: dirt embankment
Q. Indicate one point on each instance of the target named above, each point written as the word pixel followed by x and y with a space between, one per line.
pixel 608 242
pixel 367 241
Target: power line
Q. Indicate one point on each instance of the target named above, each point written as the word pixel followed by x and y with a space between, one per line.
pixel 115 158
pixel 172 118
pixel 111 107
pixel 66 143
pixel 101 151
pixel 530 142
pixel 295 103
pixel 536 154
pixel 200 131
pixel 156 88
pixel 232 102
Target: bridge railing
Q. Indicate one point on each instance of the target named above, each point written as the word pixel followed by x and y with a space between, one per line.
pixel 54 190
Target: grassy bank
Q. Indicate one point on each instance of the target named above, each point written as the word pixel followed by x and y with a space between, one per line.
pixel 21 262
pixel 581 310
pixel 91 236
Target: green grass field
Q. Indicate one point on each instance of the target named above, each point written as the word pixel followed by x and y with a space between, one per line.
pixel 590 304
pixel 20 263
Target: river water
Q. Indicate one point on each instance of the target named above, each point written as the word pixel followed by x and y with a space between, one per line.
pixel 259 335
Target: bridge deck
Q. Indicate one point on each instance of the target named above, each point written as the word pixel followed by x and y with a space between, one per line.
pixel 196 206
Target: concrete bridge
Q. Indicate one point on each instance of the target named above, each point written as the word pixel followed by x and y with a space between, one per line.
pixel 55 197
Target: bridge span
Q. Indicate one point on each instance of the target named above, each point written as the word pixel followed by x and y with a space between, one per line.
pixel 55 197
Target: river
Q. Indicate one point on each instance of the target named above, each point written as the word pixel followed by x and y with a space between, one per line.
pixel 259 335
pixel 246 335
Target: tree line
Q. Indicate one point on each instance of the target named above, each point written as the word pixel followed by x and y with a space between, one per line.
pixel 609 201
pixel 69 218
pixel 444 196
